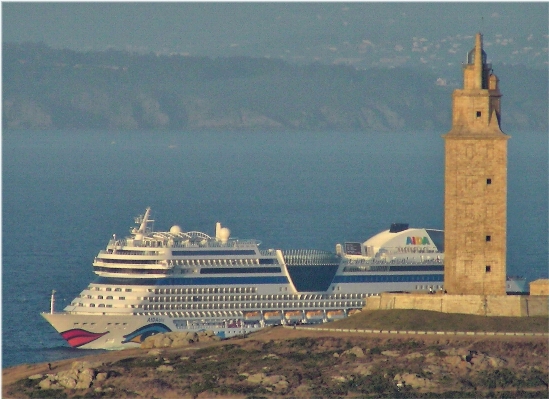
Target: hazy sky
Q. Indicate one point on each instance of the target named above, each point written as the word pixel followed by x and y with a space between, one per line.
pixel 327 32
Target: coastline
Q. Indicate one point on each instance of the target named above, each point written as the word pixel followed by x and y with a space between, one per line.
pixel 279 349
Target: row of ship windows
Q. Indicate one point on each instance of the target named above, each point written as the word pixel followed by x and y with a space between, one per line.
pixel 432 287
pixel 130 271
pixel 172 291
pixel 97 288
pixel 130 261
pixel 239 298
pixel 190 262
pixel 203 270
pixel 264 305
pixel 244 305
pixel 128 252
pixel 231 298
pixel 121 298
pixel 394 268
pixel 220 290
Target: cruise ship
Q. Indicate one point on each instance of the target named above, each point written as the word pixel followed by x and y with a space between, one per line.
pixel 154 282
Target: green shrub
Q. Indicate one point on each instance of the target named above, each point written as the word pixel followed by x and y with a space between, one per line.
pixel 47 394
pixel 375 351
pixel 498 378
pixel 305 343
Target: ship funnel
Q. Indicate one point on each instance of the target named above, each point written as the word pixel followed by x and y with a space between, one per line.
pixel 217 230
pixel 222 233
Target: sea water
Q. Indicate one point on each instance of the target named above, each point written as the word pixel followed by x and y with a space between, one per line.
pixel 65 194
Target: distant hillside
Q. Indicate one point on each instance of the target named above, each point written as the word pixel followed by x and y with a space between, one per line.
pixel 45 88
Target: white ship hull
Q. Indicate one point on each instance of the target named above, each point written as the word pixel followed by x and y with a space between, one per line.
pixel 123 332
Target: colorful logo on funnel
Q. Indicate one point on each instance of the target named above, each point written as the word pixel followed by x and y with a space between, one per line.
pixel 417 241
pixel 142 333
pixel 78 337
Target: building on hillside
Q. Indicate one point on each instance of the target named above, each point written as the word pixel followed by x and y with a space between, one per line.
pixel 475 193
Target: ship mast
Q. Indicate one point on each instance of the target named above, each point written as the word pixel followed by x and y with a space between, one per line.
pixel 143 227
pixel 52 301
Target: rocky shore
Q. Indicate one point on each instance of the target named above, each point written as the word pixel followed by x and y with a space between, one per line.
pixel 280 362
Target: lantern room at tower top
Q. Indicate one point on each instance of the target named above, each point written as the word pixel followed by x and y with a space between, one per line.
pixel 476 108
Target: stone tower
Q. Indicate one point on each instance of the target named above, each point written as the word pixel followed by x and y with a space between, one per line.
pixel 475 184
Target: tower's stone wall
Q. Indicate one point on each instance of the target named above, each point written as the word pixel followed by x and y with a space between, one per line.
pixel 475 185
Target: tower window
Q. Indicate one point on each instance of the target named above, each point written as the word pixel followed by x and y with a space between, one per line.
pixel 488 238
pixel 479 114
pixel 488 268
pixel 488 181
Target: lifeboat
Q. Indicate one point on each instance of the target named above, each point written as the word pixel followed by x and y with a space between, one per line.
pixel 252 316
pixel 314 315
pixel 276 315
pixel 335 314
pixel 293 315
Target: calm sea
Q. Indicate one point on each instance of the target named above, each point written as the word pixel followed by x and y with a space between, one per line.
pixel 66 193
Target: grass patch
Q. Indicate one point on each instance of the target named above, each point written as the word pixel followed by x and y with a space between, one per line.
pixel 424 320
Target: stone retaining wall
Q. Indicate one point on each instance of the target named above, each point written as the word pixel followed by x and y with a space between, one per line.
pixel 482 305
pixel 404 332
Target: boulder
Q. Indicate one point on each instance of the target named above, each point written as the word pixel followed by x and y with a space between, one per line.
pixel 83 384
pixel 87 374
pixel 80 365
pixel 164 368
pixel 281 386
pixel 273 379
pixel 154 352
pixel 453 360
pixel 177 339
pixel 45 384
pixel 362 369
pixel 256 378
pixel 67 381
pixel 355 350
pixel 147 344
pixel 391 353
pixel 496 362
pixel 415 381
pixel 181 342
pixel 463 352
pixel 85 378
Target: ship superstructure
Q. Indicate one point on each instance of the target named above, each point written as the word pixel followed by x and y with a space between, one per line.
pixel 400 259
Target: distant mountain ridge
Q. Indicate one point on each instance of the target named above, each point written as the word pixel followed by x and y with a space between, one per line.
pixel 49 89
